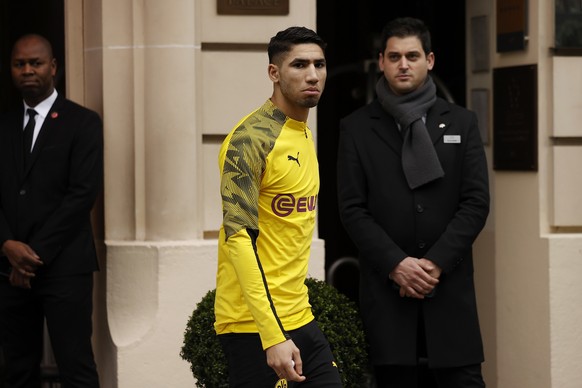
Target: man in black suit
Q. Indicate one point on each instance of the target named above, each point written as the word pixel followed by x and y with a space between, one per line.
pixel 413 193
pixel 51 166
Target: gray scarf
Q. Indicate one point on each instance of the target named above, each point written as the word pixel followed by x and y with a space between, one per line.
pixel 419 158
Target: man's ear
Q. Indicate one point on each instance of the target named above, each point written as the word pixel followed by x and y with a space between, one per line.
pixel 273 71
pixel 53 67
pixel 381 61
pixel 430 60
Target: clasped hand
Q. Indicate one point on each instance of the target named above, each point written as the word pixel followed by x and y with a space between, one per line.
pixel 416 277
pixel 24 262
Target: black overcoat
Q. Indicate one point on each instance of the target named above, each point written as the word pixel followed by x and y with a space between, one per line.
pixel 439 221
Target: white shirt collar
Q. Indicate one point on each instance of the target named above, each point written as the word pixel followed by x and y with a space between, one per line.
pixel 44 106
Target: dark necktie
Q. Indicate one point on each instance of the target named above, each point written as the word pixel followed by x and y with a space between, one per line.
pixel 29 132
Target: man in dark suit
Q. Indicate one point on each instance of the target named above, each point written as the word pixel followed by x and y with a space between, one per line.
pixel 51 165
pixel 413 194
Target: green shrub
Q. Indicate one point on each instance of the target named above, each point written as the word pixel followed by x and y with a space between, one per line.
pixel 201 346
pixel 336 315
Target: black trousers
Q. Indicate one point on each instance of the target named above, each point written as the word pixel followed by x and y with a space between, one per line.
pixel 247 361
pixel 420 376
pixel 395 376
pixel 67 305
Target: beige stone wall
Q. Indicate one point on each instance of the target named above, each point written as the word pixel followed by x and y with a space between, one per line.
pixel 484 248
pixel 526 259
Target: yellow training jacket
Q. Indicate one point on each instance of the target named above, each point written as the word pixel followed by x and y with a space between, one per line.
pixel 269 186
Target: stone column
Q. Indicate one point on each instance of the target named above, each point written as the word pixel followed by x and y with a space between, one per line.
pixel 157 266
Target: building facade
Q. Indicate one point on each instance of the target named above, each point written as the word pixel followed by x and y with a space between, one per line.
pixel 170 79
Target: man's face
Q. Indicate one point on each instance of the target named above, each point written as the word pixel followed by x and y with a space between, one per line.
pixel 404 64
pixel 301 75
pixel 33 69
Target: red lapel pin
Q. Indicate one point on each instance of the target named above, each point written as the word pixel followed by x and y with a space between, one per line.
pixel 54 115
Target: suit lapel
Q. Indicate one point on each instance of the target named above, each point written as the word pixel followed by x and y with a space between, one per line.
pixel 47 130
pixel 16 128
pixel 385 127
pixel 438 120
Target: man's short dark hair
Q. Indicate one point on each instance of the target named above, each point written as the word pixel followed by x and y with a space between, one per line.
pixel 284 41
pixel 405 27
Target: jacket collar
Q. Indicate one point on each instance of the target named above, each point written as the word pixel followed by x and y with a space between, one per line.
pixel 47 130
pixel 384 125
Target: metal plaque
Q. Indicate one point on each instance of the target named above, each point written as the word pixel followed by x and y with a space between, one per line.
pixel 253 7
pixel 515 118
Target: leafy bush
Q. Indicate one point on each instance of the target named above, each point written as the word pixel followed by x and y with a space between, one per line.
pixel 201 346
pixel 336 315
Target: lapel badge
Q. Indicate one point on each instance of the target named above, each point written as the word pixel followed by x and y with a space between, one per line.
pixel 441 125
pixel 54 115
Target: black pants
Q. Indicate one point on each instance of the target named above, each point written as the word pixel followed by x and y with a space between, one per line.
pixel 420 376
pixel 392 376
pixel 247 361
pixel 67 304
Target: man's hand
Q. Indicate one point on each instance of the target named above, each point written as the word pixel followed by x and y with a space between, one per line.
pixel 431 268
pixel 22 257
pixel 19 280
pixel 285 360
pixel 412 277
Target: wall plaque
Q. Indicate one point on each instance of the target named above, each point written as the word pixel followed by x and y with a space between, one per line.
pixel 511 25
pixel 568 24
pixel 480 105
pixel 253 7
pixel 515 121
pixel 479 44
